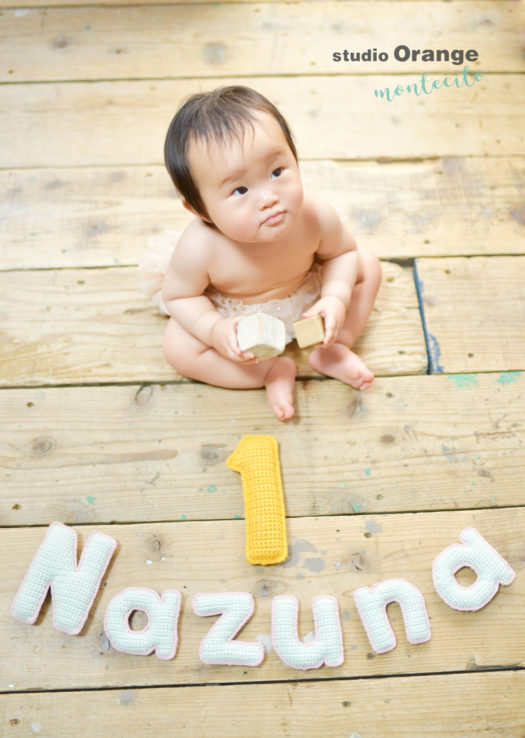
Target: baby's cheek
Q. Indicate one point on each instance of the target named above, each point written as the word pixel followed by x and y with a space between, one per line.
pixel 296 195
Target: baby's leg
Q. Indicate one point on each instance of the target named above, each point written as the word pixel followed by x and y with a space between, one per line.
pixel 337 360
pixel 194 359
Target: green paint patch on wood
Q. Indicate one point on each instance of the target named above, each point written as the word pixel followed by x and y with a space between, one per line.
pixel 464 381
pixel 508 378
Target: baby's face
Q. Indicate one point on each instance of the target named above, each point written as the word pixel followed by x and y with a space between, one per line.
pixel 251 189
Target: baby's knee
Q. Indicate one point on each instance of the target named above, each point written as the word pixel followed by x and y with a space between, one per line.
pixel 371 266
pixel 170 348
pixel 177 349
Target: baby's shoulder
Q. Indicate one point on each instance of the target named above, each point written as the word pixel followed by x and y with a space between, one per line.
pixel 196 242
pixel 318 213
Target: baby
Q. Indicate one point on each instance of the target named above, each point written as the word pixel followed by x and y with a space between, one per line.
pixel 258 243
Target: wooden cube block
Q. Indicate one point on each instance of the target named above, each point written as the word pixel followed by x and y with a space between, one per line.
pixel 309 331
pixel 262 335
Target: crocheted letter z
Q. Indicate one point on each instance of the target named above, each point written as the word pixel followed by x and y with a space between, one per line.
pixel 219 646
pixel 477 554
pixel 73 586
pixel 257 460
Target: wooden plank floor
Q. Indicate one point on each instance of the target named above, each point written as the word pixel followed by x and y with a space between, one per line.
pixel 98 433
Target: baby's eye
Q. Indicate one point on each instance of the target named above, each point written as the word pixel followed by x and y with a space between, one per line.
pixel 277 172
pixel 240 191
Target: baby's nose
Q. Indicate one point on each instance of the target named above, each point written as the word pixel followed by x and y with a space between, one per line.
pixel 268 197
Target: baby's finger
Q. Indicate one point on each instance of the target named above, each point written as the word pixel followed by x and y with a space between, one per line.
pixel 248 357
pixel 311 312
pixel 233 344
pixel 234 350
pixel 329 332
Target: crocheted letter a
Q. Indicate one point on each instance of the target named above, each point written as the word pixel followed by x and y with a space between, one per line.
pixel 372 602
pixel 73 587
pixel 475 553
pixel 160 634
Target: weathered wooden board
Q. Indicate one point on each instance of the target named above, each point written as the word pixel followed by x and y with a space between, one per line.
pixel 103 216
pixel 88 326
pixel 332 555
pixel 78 124
pixel 131 454
pixel 491 706
pixel 474 312
pixel 58 3
pixel 84 217
pixel 207 40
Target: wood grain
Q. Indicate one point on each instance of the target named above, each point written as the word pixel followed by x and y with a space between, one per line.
pixel 474 310
pixel 139 453
pixel 404 706
pixel 78 124
pixel 187 41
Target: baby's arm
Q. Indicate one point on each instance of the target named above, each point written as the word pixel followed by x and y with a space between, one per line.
pixel 183 293
pixel 338 255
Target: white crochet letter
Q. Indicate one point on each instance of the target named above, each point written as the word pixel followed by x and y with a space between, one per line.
pixel 160 634
pixel 475 553
pixel 218 646
pixel 372 602
pixel 73 587
pixel 327 646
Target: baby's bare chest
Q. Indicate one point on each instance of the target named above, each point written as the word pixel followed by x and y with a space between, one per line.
pixel 262 271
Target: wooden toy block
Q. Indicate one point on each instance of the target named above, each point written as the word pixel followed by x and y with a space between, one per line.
pixel 309 331
pixel 262 335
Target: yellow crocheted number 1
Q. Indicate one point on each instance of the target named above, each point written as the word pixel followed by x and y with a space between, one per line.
pixel 257 460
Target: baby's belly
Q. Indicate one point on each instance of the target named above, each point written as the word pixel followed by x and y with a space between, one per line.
pixel 256 295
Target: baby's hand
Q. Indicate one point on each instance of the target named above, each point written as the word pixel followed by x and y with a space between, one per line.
pixel 333 312
pixel 224 338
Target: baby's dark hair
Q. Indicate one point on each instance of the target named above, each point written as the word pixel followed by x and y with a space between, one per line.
pixel 220 115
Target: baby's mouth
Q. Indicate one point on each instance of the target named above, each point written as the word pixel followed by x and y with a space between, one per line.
pixel 274 219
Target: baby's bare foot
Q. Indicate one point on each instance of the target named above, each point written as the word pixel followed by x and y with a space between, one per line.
pixel 279 388
pixel 339 362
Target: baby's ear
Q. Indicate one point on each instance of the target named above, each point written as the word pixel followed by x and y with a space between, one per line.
pixel 196 213
pixel 190 208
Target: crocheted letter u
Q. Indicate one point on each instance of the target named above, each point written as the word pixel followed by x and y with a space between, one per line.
pixel 73 586
pixel 326 648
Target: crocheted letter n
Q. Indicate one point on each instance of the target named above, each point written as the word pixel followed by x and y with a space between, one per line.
pixel 219 647
pixel 372 602
pixel 160 634
pixel 475 553
pixel 73 587
pixel 327 646
pixel 257 459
